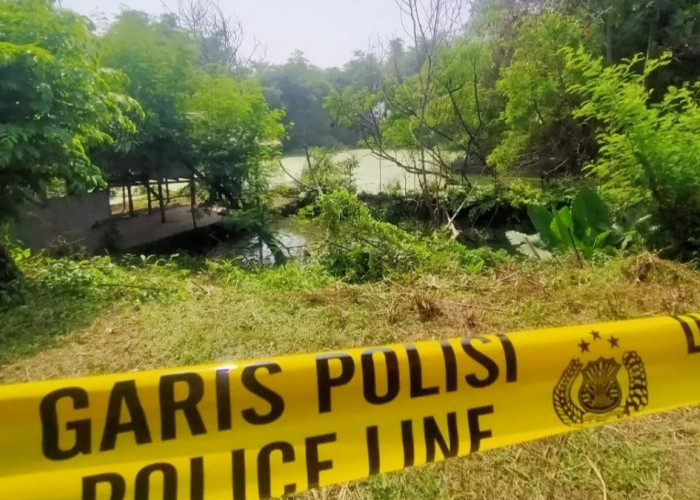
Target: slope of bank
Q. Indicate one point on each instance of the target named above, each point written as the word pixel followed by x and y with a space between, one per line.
pixel 99 316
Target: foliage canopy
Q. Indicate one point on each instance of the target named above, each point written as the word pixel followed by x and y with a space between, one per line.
pixel 56 102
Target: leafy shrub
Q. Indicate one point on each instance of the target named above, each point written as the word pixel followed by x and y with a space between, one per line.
pixel 132 278
pixel 649 146
pixel 11 285
pixel 394 188
pixel 359 248
pixel 476 199
pixel 521 193
pixel 504 203
pixel 584 228
pixel 325 173
pixel 396 209
pixel 541 136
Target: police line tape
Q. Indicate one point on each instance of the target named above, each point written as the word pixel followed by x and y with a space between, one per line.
pixel 265 428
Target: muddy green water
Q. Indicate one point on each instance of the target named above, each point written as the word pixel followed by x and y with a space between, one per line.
pixel 373 174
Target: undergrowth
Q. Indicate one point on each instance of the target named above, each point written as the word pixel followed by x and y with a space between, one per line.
pixel 359 248
pixel 177 312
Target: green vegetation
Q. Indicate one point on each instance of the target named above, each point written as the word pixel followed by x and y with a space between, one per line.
pixel 324 174
pixel 158 61
pixel 583 229
pixel 541 135
pixel 200 115
pixel 56 102
pixel 648 150
pixel 554 148
pixel 234 135
pixel 80 318
pixel 360 248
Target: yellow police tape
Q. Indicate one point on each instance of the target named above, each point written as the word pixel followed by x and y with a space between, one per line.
pixel 264 428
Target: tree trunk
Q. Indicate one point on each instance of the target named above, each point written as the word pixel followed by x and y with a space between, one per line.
pixel 193 201
pixel 131 201
pixel 653 28
pixel 8 269
pixel 147 185
pixel 160 201
pixel 609 37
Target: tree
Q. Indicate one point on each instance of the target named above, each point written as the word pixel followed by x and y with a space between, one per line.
pixel 56 102
pixel 622 27
pixel 649 150
pixel 401 62
pixel 541 134
pixel 299 88
pixel 234 137
pixel 430 115
pixel 363 71
pixel 466 108
pixel 159 60
pixel 460 114
pixel 218 36
pixel 200 117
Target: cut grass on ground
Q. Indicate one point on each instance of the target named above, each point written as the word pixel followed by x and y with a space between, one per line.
pixel 171 315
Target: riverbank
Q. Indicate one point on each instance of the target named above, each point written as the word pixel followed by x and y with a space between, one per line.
pixel 103 317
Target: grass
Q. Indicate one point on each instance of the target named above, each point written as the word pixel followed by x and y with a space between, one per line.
pixel 177 312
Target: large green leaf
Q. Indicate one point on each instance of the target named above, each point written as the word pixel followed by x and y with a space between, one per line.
pixel 561 223
pixel 530 245
pixel 602 239
pixel 590 216
pixel 562 227
pixel 542 220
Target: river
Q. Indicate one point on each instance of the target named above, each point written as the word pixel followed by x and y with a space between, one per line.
pixel 373 174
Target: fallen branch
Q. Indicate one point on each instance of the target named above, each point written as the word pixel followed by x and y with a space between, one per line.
pixel 295 179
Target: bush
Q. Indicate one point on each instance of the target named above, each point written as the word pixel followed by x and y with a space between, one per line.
pixel 584 227
pixel 132 278
pixel 359 248
pixel 505 203
pixel 326 174
pixel 649 146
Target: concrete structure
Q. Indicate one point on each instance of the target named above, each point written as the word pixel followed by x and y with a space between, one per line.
pixel 144 228
pixel 87 221
pixel 77 220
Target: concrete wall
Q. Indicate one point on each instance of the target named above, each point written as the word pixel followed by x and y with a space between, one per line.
pixel 75 218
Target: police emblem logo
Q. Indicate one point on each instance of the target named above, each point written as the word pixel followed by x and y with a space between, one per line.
pixel 600 385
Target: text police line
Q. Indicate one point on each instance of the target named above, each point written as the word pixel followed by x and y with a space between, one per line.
pixel 441 438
